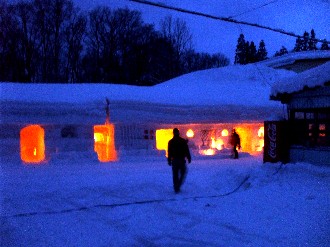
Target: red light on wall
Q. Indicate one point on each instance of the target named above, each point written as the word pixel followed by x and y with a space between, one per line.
pixel 32 144
pixel 104 142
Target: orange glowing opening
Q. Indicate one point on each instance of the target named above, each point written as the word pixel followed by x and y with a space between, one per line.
pixel 224 132
pixel 261 132
pixel 251 141
pixel 217 143
pixel 213 140
pixel 190 133
pixel 32 144
pixel 209 151
pixel 104 142
pixel 261 145
pixel 162 138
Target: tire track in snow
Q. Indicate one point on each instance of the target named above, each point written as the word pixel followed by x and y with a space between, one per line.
pixel 114 205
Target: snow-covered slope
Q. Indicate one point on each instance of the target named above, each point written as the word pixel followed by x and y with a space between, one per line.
pixel 247 85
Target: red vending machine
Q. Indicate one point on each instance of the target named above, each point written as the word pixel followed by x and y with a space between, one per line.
pixel 277 141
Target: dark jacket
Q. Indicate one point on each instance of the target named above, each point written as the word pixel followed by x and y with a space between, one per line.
pixel 178 149
pixel 235 140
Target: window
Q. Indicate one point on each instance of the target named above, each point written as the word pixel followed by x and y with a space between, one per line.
pixel 309 115
pixel 310 127
pixel 299 115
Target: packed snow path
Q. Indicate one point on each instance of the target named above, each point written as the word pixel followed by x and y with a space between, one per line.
pixel 127 203
pixel 74 200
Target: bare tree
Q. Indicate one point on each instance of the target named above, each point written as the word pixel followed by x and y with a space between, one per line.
pixel 97 40
pixel 30 38
pixel 8 43
pixel 51 16
pixel 74 33
pixel 52 41
pixel 131 33
pixel 113 41
pixel 61 12
pixel 177 32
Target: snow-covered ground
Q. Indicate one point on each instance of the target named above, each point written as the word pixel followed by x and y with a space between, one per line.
pixel 76 201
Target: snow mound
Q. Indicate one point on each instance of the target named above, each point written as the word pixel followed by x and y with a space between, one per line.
pixel 247 85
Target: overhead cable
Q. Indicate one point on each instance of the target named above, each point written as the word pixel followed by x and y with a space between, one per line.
pixel 227 19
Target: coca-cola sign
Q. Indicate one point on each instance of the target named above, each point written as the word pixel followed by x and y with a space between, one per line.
pixel 271 133
pixel 276 141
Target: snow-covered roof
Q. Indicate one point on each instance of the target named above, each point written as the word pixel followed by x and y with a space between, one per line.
pixel 292 57
pixel 318 76
pixel 232 93
pixel 247 85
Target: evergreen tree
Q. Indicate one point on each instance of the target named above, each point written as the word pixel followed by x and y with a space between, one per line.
pixel 305 41
pixel 312 42
pixel 299 45
pixel 247 53
pixel 240 54
pixel 325 46
pixel 281 52
pixel 262 52
pixel 252 53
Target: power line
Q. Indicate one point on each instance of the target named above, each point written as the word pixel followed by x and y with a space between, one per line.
pixel 253 9
pixel 227 19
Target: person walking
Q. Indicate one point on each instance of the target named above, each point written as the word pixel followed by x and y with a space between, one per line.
pixel 235 142
pixel 178 152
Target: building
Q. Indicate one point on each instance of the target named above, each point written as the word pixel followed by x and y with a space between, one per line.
pixel 204 105
pixel 307 98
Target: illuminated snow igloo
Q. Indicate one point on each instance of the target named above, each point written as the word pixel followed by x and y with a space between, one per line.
pixel 105 142
pixel 32 144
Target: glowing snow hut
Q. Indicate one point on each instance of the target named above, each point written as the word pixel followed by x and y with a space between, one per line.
pixel 32 144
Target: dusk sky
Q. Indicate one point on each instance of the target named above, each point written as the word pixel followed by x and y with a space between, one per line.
pixel 215 36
